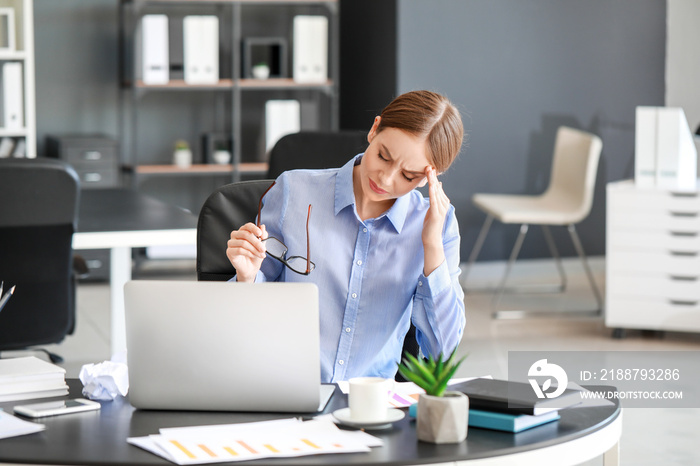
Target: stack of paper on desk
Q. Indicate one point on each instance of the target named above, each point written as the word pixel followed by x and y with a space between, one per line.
pixel 241 442
pixel 30 377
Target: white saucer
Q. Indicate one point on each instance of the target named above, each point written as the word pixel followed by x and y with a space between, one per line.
pixel 393 415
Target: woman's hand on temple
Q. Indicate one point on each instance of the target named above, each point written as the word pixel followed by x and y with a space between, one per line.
pixel 434 223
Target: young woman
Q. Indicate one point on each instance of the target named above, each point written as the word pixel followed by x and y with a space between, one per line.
pixel 381 254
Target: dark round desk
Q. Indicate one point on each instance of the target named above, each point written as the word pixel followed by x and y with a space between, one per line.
pixel 99 438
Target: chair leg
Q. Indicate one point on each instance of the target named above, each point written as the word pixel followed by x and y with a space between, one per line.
pixel 519 314
pixel 477 246
pixel 555 253
pixel 511 260
pixel 579 249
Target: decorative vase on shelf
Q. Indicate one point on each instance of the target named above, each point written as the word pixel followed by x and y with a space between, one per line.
pixel 182 156
pixel 221 157
pixel 261 71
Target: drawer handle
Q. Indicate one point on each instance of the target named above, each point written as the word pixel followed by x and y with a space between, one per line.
pixel 678 302
pixel 684 253
pixel 92 155
pixel 683 278
pixel 684 194
pixel 684 214
pixel 93 177
pixel 687 234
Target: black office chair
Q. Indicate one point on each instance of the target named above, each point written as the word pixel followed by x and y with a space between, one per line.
pixel 226 209
pixel 38 215
pixel 315 149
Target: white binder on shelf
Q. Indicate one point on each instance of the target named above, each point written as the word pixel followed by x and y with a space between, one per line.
pixel 645 147
pixel 310 53
pixel 12 95
pixel 7 29
pixel 676 156
pixel 201 49
pixel 155 55
pixel 282 117
pixel 6 146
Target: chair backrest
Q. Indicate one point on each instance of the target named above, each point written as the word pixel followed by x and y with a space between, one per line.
pixel 226 209
pixel 38 215
pixel 574 169
pixel 315 149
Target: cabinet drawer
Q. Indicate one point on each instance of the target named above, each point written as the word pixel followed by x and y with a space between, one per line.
pixel 652 314
pixel 97 156
pixel 664 241
pixel 652 200
pixel 664 221
pixel 98 178
pixel 679 289
pixel 653 263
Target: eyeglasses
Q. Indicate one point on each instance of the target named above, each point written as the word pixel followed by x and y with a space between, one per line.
pixel 277 249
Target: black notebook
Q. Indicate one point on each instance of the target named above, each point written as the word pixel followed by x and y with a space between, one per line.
pixel 512 397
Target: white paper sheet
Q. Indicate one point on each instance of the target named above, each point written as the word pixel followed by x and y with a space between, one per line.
pixel 11 426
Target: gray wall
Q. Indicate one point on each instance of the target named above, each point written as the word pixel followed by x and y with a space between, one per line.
pixel 518 70
pixel 76 67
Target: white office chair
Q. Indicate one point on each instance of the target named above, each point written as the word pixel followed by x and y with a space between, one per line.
pixel 567 201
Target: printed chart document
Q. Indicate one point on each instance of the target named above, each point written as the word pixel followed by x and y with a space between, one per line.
pixel 241 442
pixel 11 426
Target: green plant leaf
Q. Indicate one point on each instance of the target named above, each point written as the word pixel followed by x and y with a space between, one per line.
pixel 415 379
pixel 421 369
pixel 441 385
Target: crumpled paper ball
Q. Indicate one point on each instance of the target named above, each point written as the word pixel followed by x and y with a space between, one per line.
pixel 106 380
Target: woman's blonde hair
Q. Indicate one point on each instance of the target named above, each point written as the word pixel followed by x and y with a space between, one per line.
pixel 426 113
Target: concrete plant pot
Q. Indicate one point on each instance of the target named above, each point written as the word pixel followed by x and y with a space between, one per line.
pixel 442 419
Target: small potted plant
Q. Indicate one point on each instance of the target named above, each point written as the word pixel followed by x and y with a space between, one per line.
pixel 221 155
pixel 182 156
pixel 261 71
pixel 442 415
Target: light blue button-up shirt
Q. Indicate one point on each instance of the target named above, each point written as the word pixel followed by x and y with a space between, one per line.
pixel 369 274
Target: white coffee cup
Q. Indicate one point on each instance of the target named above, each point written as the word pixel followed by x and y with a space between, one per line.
pixel 369 398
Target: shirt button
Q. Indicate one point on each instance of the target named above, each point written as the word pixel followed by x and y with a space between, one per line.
pixel 420 283
pixel 359 262
pixel 348 330
pixel 341 362
pixel 364 230
pixel 354 295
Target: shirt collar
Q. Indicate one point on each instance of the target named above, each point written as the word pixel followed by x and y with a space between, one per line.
pixel 345 196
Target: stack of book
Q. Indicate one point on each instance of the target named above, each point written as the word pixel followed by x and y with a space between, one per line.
pixel 511 406
pixel 30 377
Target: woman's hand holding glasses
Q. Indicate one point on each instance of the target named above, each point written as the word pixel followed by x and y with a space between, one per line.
pixel 246 251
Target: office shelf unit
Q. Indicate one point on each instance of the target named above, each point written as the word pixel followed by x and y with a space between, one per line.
pixel 18 47
pixel 154 116
pixel 652 259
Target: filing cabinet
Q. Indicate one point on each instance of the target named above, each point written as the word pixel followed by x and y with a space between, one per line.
pixel 652 258
pixel 94 157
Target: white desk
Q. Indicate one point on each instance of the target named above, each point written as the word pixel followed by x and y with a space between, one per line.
pixel 119 220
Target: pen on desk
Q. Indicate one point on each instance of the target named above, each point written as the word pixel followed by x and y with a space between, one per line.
pixel 6 297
